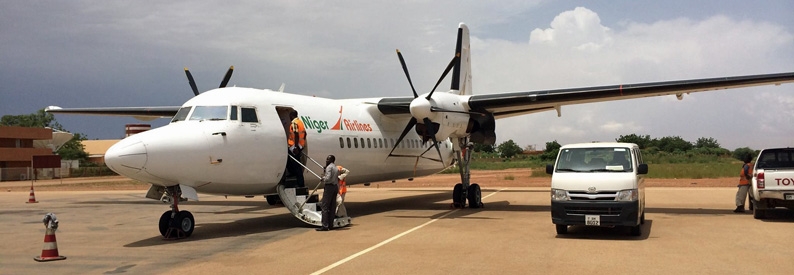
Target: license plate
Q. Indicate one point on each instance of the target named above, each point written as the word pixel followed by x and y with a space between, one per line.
pixel 789 197
pixel 593 220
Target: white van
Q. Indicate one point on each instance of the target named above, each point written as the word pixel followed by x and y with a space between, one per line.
pixel 598 184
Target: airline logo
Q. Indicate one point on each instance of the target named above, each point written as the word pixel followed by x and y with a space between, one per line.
pixel 340 125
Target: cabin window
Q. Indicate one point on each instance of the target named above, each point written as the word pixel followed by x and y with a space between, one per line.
pixel 248 115
pixel 369 143
pixel 202 113
pixel 362 143
pixel 181 115
pixel 355 142
pixel 341 143
pixel 233 113
pixel 348 143
pixel 380 142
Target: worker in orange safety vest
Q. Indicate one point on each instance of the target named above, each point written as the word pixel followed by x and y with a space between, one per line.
pixel 296 141
pixel 744 184
pixel 341 211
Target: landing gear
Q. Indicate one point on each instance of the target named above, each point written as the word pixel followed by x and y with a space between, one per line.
pixel 475 196
pixel 464 190
pixel 458 196
pixel 175 224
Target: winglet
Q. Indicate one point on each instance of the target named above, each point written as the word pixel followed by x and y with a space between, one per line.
pixel 281 89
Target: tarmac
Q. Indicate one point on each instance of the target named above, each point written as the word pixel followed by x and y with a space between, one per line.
pixel 395 231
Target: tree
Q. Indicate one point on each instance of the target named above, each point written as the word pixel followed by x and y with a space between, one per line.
pixel 73 149
pixel 485 148
pixel 707 143
pixel 39 119
pixel 673 144
pixel 550 153
pixel 509 149
pixel 741 153
pixel 641 141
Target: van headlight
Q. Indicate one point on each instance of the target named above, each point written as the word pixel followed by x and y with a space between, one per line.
pixel 559 195
pixel 627 195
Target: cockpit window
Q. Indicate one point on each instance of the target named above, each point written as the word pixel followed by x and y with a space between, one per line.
pixel 209 113
pixel 248 114
pixel 181 114
pixel 233 113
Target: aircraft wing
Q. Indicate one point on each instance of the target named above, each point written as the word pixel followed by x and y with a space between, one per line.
pixel 504 105
pixel 143 113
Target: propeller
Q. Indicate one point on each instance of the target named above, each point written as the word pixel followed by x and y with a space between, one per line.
pixel 192 83
pixel 430 130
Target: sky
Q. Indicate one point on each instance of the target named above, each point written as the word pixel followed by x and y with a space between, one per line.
pixel 132 53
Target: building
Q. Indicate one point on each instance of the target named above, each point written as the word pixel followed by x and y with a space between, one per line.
pixel 17 150
pixel 96 149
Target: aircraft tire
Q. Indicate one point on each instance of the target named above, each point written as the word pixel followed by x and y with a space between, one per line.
pixel 186 222
pixel 165 220
pixel 458 200
pixel 475 196
pixel 561 229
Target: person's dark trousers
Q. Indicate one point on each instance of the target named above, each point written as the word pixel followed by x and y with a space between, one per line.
pixel 295 169
pixel 329 204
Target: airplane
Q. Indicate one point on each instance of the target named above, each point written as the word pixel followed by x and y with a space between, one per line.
pixel 233 141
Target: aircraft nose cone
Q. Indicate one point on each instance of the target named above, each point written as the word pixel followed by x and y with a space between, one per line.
pixel 127 157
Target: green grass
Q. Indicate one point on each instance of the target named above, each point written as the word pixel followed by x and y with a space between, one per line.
pixel 660 165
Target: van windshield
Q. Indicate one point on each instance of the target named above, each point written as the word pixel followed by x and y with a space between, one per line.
pixel 600 159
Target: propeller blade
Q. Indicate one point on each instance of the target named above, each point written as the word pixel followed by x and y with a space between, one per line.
pixel 432 131
pixel 408 127
pixel 226 77
pixel 439 109
pixel 449 67
pixel 405 69
pixel 192 83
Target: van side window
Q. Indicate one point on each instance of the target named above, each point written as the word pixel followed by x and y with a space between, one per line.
pixel 249 115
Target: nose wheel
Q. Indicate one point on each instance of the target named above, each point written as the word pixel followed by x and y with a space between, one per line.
pixel 175 224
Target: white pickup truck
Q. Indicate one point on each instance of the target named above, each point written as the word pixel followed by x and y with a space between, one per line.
pixel 773 181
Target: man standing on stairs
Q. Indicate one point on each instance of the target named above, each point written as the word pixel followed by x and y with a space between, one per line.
pixel 296 141
pixel 331 189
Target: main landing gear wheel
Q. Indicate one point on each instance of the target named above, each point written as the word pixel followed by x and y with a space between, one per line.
pixel 180 227
pixel 475 196
pixel 458 198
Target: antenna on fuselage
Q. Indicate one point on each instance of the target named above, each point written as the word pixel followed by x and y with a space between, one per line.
pixel 281 89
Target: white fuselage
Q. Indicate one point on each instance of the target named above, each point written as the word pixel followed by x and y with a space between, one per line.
pixel 237 154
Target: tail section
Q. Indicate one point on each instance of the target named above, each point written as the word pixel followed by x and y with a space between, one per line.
pixel 461 74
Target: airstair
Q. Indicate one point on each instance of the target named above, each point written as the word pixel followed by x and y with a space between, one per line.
pixel 305 206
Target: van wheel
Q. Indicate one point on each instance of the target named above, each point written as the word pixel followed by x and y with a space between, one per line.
pixel 636 230
pixel 561 229
pixel 642 218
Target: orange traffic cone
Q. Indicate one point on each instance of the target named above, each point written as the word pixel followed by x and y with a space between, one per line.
pixel 50 250
pixel 32 198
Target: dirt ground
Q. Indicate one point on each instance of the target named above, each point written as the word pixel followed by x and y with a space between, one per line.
pixel 486 178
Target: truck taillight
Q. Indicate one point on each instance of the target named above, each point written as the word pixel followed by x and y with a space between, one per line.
pixel 759 180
